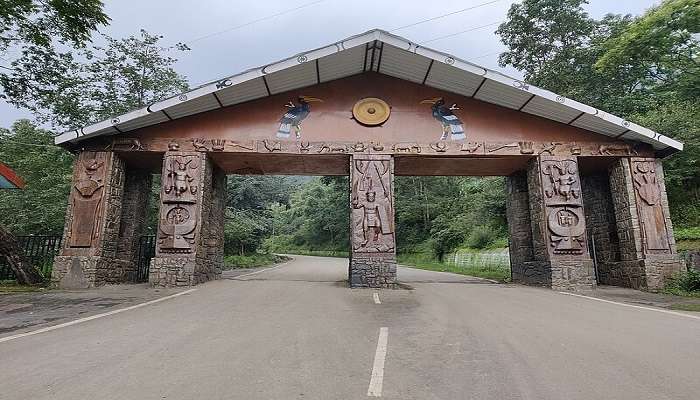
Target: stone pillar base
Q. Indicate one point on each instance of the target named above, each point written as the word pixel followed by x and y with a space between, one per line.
pixel 172 271
pixel 79 272
pixel 568 275
pixel 660 268
pixel 181 271
pixel 372 271
pixel 573 276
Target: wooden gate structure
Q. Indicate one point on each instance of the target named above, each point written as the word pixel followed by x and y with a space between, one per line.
pixel 372 106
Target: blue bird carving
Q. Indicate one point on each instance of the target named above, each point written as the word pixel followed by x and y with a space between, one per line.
pixel 451 124
pixel 293 117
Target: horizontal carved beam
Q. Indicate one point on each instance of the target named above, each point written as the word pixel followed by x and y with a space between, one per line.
pixel 446 148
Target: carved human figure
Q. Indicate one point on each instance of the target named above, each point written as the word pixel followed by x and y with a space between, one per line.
pixel 371 203
pixel 178 179
pixel 373 217
pixel 651 212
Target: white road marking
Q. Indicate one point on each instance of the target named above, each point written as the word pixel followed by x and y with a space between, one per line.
pixel 81 320
pixel 262 270
pixel 375 295
pixel 633 306
pixel 375 383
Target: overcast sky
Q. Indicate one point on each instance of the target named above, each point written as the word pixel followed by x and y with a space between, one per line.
pixel 218 51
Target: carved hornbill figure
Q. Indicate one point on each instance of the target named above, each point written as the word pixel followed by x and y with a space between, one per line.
pixel 451 124
pixel 293 117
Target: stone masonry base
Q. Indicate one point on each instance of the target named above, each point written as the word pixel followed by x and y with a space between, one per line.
pixel 180 271
pixel 80 272
pixel 372 271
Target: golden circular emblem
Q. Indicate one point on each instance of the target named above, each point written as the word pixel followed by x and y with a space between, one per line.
pixel 371 111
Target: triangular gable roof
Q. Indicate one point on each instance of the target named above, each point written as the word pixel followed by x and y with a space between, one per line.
pixel 382 52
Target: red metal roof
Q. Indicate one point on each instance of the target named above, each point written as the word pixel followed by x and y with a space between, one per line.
pixel 9 179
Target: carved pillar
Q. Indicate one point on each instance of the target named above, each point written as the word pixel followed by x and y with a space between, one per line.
pixel 372 235
pixel 647 248
pixel 560 252
pixel 189 243
pixel 92 222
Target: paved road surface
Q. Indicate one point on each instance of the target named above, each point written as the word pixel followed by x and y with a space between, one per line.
pixel 295 332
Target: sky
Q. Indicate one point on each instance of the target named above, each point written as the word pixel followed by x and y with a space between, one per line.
pixel 219 51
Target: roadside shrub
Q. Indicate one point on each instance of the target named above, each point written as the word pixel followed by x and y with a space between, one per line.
pixel 685 284
pixel 687 233
pixel 481 237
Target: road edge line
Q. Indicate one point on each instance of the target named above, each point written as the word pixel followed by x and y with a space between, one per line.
pixel 92 317
pixel 633 305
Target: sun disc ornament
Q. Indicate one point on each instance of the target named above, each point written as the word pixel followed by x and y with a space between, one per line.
pixel 371 111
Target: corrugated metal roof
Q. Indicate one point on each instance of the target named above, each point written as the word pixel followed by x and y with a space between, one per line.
pixel 385 53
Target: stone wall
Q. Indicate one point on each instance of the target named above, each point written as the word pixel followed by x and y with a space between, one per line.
pixel 600 223
pixel 137 191
pixel 520 231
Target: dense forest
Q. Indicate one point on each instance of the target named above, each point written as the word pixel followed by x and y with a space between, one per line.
pixel 643 68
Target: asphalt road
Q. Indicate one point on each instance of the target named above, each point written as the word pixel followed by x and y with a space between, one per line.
pixel 296 332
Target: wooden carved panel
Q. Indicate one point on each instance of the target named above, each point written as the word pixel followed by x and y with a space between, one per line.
pixel 87 198
pixel 563 203
pixel 648 195
pixel 372 204
pixel 179 208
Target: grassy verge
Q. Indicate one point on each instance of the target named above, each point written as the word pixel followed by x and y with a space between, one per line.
pixel 252 261
pixel 685 307
pixel 13 287
pixel 319 253
pixel 422 261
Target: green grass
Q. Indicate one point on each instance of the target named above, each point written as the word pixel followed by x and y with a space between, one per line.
pixel 676 291
pixel 685 307
pixel 7 287
pixel 500 273
pixel 251 261
pixel 319 253
pixel 687 233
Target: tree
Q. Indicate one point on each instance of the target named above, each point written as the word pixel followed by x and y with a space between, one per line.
pixel 539 33
pixel 36 29
pixel 40 23
pixel 249 216
pixel 72 89
pixel 664 44
pixel 39 208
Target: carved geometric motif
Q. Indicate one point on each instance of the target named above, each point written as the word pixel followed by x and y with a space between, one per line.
pixel 86 199
pixel 563 205
pixel 649 207
pixel 372 205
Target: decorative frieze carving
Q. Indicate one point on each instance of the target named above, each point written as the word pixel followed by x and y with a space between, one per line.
pixel 372 205
pixel 649 207
pixel 430 148
pixel 561 187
